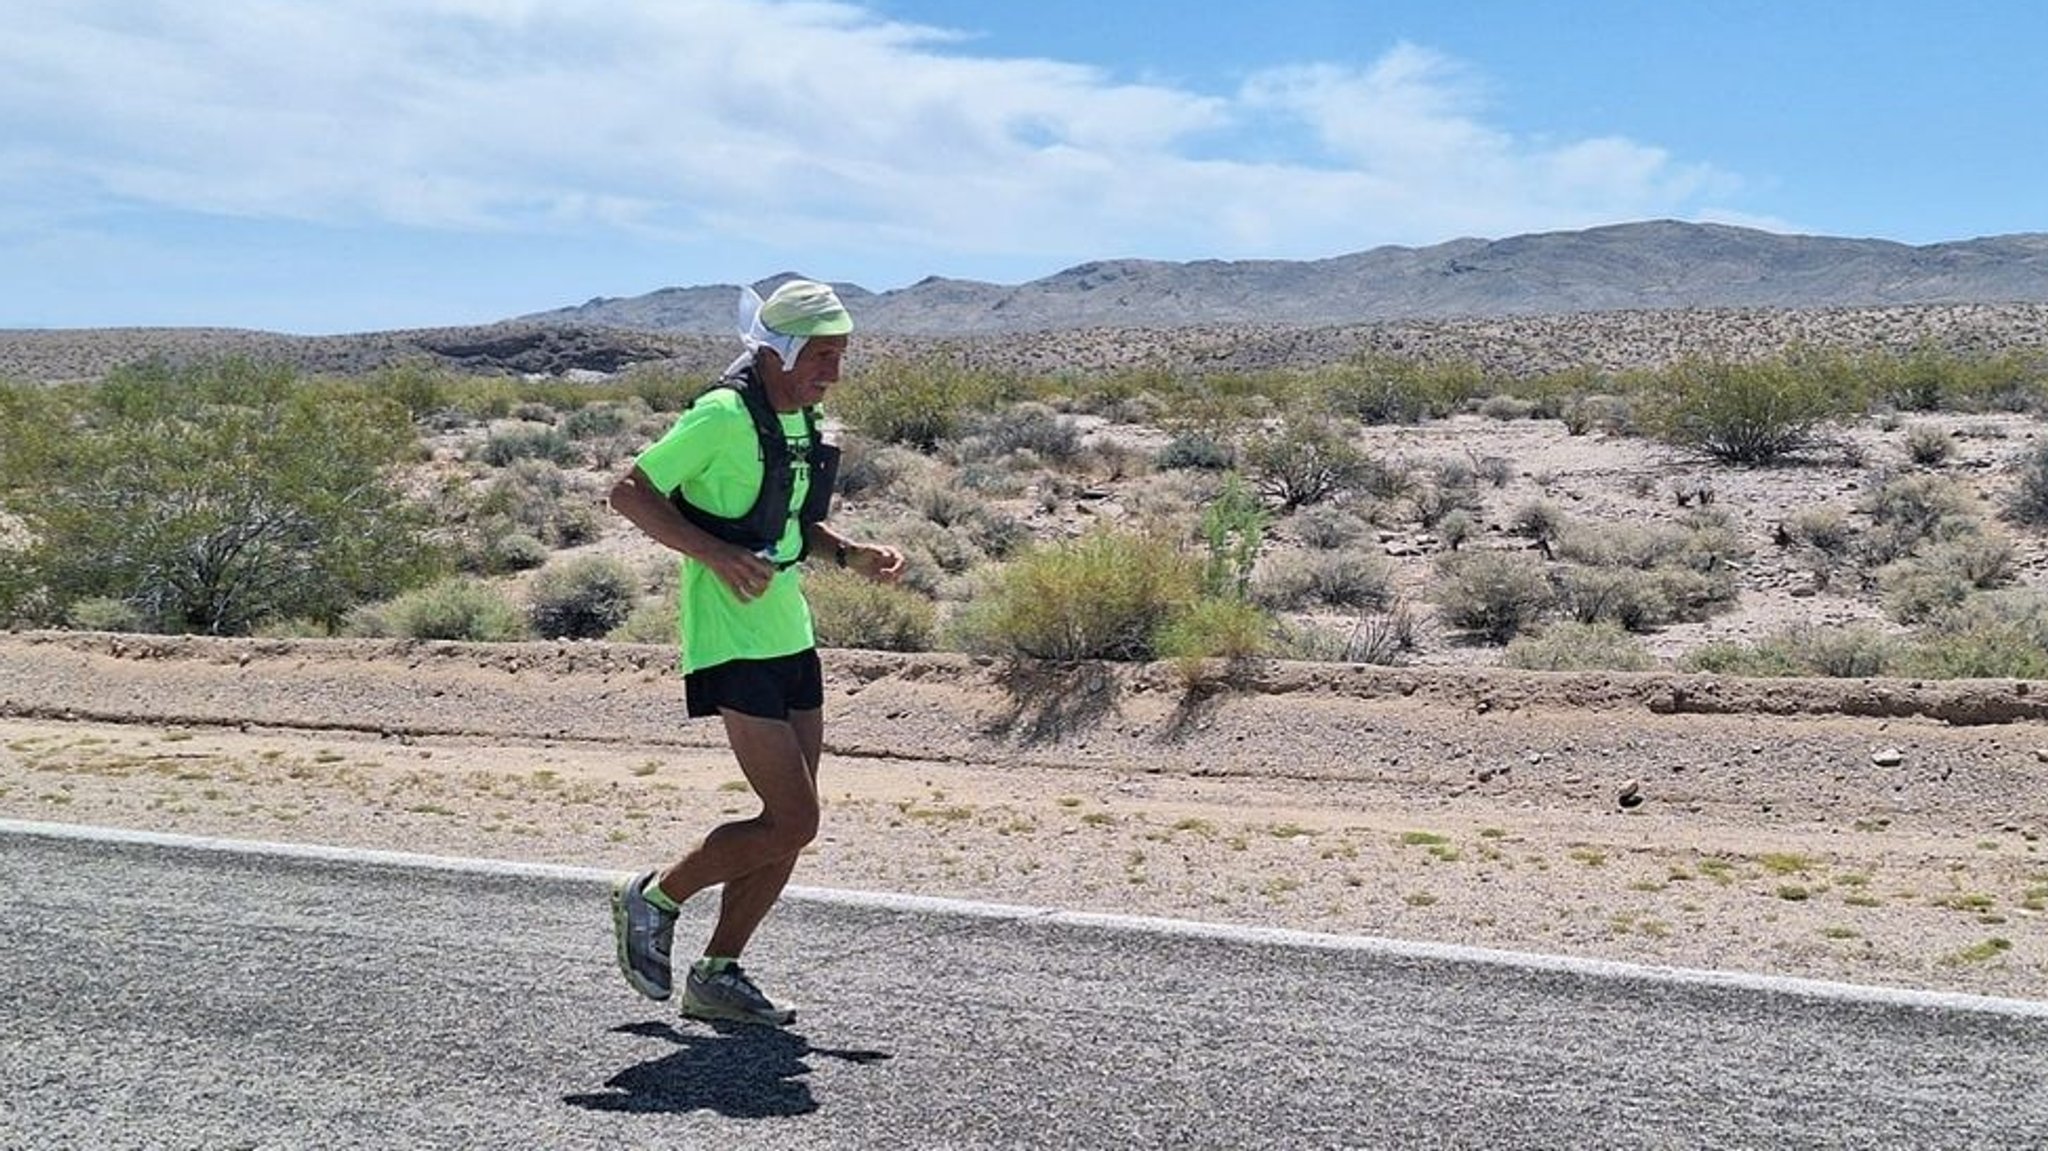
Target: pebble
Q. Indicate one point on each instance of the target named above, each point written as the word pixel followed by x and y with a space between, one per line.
pixel 1888 757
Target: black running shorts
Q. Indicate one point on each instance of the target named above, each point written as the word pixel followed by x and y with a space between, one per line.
pixel 765 688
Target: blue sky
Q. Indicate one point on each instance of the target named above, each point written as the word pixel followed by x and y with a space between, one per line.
pixel 355 165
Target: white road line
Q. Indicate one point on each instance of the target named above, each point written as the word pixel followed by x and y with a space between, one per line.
pixel 1276 937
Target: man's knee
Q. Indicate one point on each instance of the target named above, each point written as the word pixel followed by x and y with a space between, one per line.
pixel 794 827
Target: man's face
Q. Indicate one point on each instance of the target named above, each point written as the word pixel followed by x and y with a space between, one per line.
pixel 804 383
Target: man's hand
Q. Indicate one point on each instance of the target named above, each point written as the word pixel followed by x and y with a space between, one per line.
pixel 745 572
pixel 877 562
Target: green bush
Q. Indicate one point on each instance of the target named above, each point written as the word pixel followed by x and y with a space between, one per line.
pixel 1759 413
pixel 1382 390
pixel 583 598
pixel 1577 646
pixel 1928 445
pixel 456 609
pixel 1326 527
pixel 212 497
pixel 1215 627
pixel 652 621
pixel 1195 451
pixel 1342 578
pixel 1104 595
pixel 502 448
pixel 849 610
pixel 1233 527
pixel 917 403
pixel 104 613
pixel 1028 427
pixel 1495 595
pixel 2028 503
pixel 1909 512
pixel 1630 599
pixel 1995 634
pixel 1855 652
pixel 1307 461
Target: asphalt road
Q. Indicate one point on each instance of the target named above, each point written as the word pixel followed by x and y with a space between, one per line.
pixel 163 994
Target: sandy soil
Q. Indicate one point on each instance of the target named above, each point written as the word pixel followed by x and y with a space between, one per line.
pixel 1871 831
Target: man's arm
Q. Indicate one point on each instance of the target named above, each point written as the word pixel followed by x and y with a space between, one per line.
pixel 877 562
pixel 646 508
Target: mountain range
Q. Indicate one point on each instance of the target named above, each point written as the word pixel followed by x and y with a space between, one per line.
pixel 1658 264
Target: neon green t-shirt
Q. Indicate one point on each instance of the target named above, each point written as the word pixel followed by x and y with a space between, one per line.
pixel 713 454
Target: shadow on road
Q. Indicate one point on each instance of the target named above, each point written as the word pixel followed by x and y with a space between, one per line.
pixel 735 1070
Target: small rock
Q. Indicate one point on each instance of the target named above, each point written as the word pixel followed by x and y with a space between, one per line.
pixel 1631 794
pixel 1888 757
pixel 2041 753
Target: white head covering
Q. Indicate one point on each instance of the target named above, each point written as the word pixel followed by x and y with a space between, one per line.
pixel 799 309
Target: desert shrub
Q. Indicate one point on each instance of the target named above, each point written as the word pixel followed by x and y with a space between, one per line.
pixel 1854 652
pixel 1997 634
pixel 1495 595
pixel 1944 575
pixel 1540 521
pixel 1578 646
pixel 1505 407
pixel 527 443
pixel 421 390
pixel 1377 638
pixel 1306 461
pixel 916 403
pixel 653 620
pixel 1382 390
pixel 1326 526
pixel 2028 503
pixel 1455 528
pixel 458 608
pixel 1758 413
pixel 104 613
pixel 1629 598
pixel 1233 526
pixel 1589 413
pixel 583 598
pixel 1824 529
pixel 1693 594
pixel 1196 451
pixel 595 421
pixel 514 552
pixel 932 551
pixel 1910 511
pixel 867 468
pixel 1027 426
pixel 849 610
pixel 1214 627
pixel 212 497
pixel 532 497
pixel 1494 471
pixel 1103 595
pixel 1342 578
pixel 997 533
pixel 945 504
pixel 1928 445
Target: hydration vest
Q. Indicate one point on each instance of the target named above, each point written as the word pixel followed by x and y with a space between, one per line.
pixel 760 529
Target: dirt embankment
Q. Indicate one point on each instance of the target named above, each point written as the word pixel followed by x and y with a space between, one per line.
pixel 1877 831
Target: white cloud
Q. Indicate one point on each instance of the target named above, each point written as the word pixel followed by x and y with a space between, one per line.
pixel 751 120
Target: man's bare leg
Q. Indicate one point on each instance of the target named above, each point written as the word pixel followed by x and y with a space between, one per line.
pixel 747 899
pixel 753 858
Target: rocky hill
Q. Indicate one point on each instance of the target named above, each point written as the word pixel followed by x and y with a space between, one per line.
pixel 1628 296
pixel 1655 265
